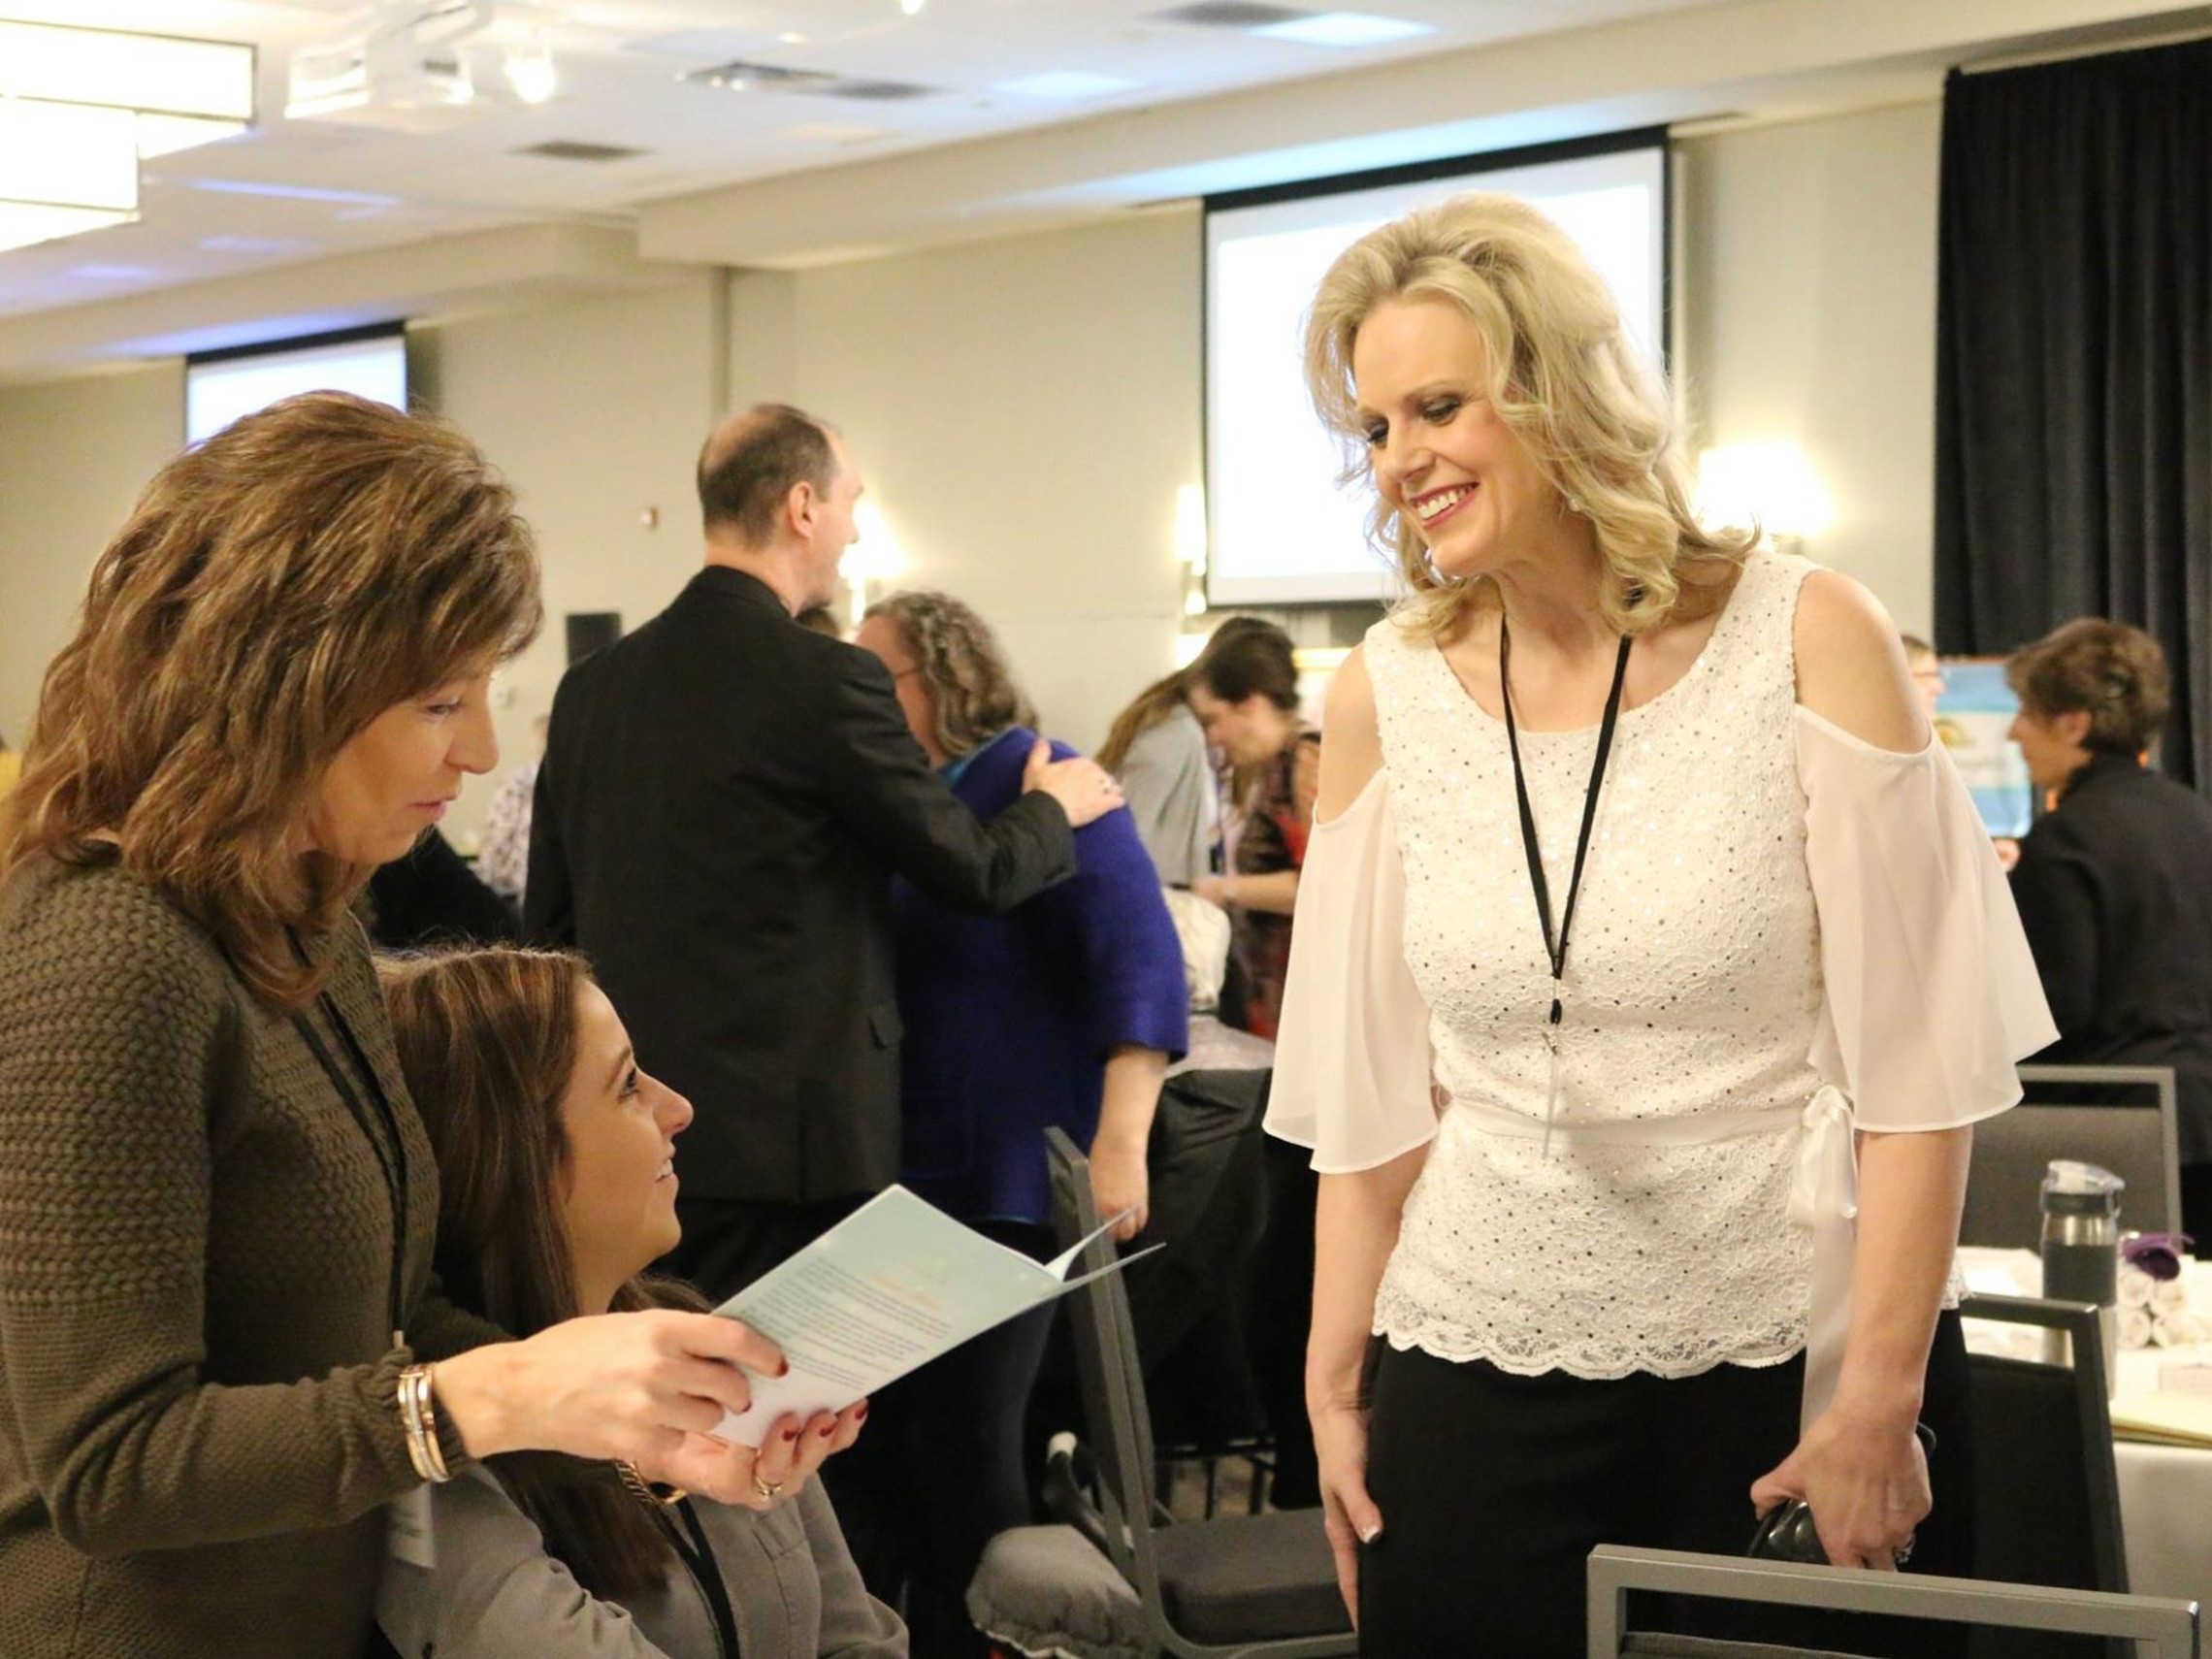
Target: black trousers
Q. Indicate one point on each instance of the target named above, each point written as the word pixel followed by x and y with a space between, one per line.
pixel 1494 1488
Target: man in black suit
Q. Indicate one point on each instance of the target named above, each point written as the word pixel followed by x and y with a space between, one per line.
pixel 2114 883
pixel 724 798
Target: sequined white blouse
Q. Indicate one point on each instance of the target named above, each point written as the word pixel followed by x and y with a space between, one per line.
pixel 1770 905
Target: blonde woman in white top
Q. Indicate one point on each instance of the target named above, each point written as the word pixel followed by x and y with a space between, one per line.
pixel 1636 886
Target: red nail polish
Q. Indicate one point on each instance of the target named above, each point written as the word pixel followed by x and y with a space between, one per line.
pixel 860 1416
pixel 791 1433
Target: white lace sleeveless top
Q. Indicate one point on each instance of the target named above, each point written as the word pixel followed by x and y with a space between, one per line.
pixel 1701 984
pixel 1692 985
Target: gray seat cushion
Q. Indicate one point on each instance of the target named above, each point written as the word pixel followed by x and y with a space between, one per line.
pixel 1046 1590
pixel 1249 1577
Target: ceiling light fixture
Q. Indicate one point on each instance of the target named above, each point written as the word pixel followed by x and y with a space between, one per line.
pixel 80 108
pixel 1344 29
pixel 530 70
pixel 912 8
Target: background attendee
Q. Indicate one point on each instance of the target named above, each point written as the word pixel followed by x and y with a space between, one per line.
pixel 1158 751
pixel 2115 882
pixel 1562 1103
pixel 502 850
pixel 1062 1013
pixel 430 896
pixel 1244 693
pixel 217 1202
pixel 724 798
pixel 556 1191
pixel 822 620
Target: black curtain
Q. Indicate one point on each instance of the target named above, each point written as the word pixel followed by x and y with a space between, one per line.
pixel 2073 401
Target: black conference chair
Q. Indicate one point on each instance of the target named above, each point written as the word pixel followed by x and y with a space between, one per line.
pixel 2120 1117
pixel 2013 1615
pixel 1232 1588
pixel 2046 1492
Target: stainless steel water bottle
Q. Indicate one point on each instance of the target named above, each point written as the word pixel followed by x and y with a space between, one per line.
pixel 2081 1252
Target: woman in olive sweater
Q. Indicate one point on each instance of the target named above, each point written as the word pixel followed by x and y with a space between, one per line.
pixel 217 1202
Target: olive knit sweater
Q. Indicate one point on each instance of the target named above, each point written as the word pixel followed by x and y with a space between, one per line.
pixel 197 1377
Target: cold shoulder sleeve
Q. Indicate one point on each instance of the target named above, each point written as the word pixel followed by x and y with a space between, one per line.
pixel 1932 995
pixel 1351 1062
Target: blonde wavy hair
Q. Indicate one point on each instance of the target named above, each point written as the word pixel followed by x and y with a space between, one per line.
pixel 272 592
pixel 1564 376
pixel 960 661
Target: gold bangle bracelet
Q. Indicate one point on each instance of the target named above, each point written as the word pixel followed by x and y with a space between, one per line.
pixel 419 1418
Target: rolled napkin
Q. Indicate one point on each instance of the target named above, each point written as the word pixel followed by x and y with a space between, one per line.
pixel 2176 1329
pixel 2169 1296
pixel 2136 1287
pixel 2134 1327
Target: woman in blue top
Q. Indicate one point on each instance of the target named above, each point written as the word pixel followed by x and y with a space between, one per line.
pixel 1063 1012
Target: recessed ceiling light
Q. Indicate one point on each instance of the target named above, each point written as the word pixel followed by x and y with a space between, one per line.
pixel 1064 83
pixel 792 37
pixel 1344 29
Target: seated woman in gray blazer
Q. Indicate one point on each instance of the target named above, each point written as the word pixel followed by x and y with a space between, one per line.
pixel 557 1189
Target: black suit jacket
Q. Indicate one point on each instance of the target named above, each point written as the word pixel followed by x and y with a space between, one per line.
pixel 723 799
pixel 2115 890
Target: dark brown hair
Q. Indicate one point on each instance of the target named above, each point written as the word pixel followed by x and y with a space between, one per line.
pixel 749 466
pixel 487 1041
pixel 1165 694
pixel 2115 672
pixel 1255 658
pixel 959 660
pixel 272 592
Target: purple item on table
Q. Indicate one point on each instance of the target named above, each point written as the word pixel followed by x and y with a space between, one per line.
pixel 2157 1255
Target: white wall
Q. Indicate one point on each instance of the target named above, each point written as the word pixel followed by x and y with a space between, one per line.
pixel 73 456
pixel 1811 316
pixel 1024 412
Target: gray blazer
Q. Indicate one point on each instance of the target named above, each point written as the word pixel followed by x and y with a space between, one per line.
pixel 496 1593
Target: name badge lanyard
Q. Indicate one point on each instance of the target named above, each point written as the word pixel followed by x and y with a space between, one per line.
pixel 380 1128
pixel 1555 947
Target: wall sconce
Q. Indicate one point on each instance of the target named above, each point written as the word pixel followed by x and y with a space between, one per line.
pixel 81 108
pixel 876 559
pixel 1190 546
pixel 1772 483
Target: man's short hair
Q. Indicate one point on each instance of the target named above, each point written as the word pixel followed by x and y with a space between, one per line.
pixel 746 477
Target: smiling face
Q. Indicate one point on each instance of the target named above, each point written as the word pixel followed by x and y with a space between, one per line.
pixel 396 776
pixel 1454 470
pixel 618 1199
pixel 831 528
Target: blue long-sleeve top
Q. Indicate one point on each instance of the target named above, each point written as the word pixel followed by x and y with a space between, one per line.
pixel 1010 1019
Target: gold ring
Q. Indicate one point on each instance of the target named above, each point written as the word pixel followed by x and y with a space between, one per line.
pixel 767 1488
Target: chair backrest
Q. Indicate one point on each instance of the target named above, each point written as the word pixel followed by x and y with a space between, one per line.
pixel 1108 1372
pixel 2119 1117
pixel 2165 1629
pixel 2046 1491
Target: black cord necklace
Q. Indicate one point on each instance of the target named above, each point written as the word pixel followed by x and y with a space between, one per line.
pixel 1555 947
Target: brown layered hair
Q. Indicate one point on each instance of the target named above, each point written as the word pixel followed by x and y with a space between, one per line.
pixel 272 592
pixel 960 660
pixel 2115 673
pixel 487 1039
pixel 1564 375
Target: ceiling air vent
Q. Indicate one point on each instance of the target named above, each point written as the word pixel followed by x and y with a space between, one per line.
pixel 575 149
pixel 874 91
pixel 1230 14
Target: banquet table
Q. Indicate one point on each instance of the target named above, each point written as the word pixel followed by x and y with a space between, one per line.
pixel 2165 1491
